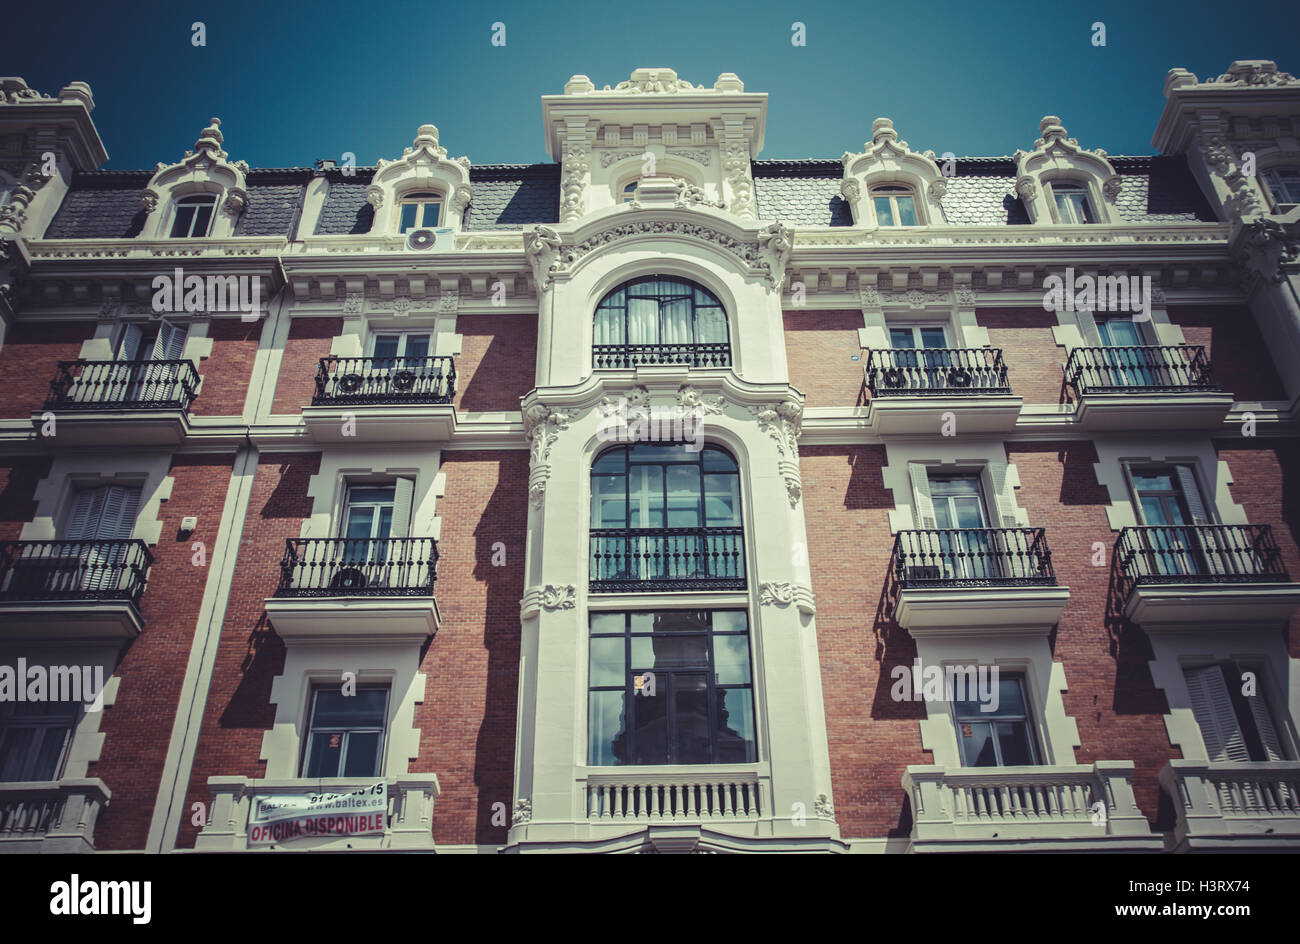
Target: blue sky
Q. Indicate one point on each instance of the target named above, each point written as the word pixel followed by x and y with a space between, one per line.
pixel 297 81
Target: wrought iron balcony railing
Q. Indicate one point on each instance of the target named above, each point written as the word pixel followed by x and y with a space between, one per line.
pixel 1202 553
pixel 648 559
pixel 396 380
pixel 606 356
pixel 1181 368
pixel 346 567
pixel 974 371
pixel 123 385
pixel 972 557
pixel 43 571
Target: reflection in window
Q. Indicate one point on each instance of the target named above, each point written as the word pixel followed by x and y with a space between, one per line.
pixel 895 206
pixel 346 733
pixel 419 211
pixel 694 669
pixel 1072 205
pixel 660 321
pixel 999 738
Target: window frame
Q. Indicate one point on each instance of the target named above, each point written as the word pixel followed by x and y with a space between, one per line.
pixel 197 201
pixel 68 721
pixel 692 291
pixel 1036 752
pixel 421 200
pixel 1287 177
pixel 1067 186
pixel 892 192
pixel 632 673
pixel 310 729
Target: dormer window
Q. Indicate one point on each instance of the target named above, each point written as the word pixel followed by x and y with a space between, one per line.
pixel 1072 205
pixel 895 206
pixel 419 211
pixel 193 216
pixel 1283 186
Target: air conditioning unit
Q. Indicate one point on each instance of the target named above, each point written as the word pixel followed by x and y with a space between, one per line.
pixel 430 240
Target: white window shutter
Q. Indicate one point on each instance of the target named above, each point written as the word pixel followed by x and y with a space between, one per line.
pixel 87 507
pixel 1087 326
pixel 128 348
pixel 120 506
pixel 170 343
pixel 403 496
pixel 1264 723
pixel 1212 706
pixel 1192 495
pixel 921 501
pixel 1003 501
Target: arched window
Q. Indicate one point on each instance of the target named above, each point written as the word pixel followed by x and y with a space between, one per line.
pixel 1072 204
pixel 660 321
pixel 193 216
pixel 894 206
pixel 666 516
pixel 418 211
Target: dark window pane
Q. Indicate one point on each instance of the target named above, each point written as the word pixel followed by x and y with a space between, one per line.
pixel 651 712
pixel 669 652
pixel 976 741
pixel 14 745
pixel 671 621
pixel 363 754
pixel 367 708
pixel 325 751
pixel 735 728
pixel 691 714
pixel 1013 740
pixel 715 460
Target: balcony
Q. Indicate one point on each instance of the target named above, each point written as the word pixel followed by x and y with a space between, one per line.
pixel 369 590
pixel 1234 807
pixel 409 824
pixel 949 582
pixel 1207 574
pixel 72 589
pixel 651 560
pixel 56 816
pixel 613 356
pixel 1150 387
pixel 1048 808
pixel 912 389
pixel 98 403
pixel 388 399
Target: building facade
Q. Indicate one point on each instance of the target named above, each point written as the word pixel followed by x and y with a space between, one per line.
pixel 656 499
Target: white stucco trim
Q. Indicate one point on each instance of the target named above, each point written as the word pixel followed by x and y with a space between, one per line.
pixel 54 492
pixel 949 454
pixel 328 488
pixel 1212 475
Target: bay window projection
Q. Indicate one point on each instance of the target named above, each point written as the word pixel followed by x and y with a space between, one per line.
pixel 664 517
pixel 660 321
pixel 670 687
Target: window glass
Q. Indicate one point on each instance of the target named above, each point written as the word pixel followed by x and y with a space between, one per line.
pixel 346 733
pixel 1000 737
pixel 665 321
pixel 193 215
pixel 701 707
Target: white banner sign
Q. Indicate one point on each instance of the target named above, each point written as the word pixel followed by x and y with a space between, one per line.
pixel 279 817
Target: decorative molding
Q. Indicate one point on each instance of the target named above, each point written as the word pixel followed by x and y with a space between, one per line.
pixel 449 301
pixel 559 598
pixel 782 593
pixel 691 154
pixel 783 423
pixel 542 427
pixel 1263 247
pixel 613 157
pixel 1243 198
pixel 352 304
pixel 424 165
pixel 654 82
pixel 1255 72
pixel 523 812
pixel 576 166
pixel 549 257
pixel 737 170
pixel 885 159
pixel 823 807
pixel 688 398
pixel 964 296
pixel 1056 156
pixel 206 169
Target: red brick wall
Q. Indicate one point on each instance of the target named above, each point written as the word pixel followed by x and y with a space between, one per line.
pixel 1266 483
pixel 1242 364
pixel 309 340
pixel 467 720
pixel 819 346
pixel 1111 697
pixel 872 738
pixel 138 727
pixel 250 655
pixel 498 361
pixel 1034 362
pixel 228 369
pixel 29 361
pixel 18 479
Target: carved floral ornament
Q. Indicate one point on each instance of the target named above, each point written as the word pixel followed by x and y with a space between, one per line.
pixel 1058 156
pixel 206 169
pixel 423 166
pixel 653 82
pixel 1243 198
pixel 1264 247
pixel 768 253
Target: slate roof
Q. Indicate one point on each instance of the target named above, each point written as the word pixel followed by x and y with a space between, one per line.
pixel 106 204
pixel 805 193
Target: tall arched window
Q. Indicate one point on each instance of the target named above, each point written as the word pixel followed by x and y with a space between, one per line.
pixel 666 516
pixel 660 321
